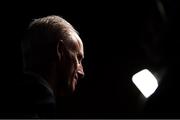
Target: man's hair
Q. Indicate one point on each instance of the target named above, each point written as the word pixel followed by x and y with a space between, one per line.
pixel 39 44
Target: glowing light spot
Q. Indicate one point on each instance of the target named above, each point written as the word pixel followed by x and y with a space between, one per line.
pixel 146 82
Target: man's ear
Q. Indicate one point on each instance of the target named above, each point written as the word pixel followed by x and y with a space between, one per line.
pixel 60 49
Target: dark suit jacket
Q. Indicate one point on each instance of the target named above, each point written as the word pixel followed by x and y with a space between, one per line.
pixel 33 98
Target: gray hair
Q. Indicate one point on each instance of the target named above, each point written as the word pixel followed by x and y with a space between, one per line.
pixel 39 45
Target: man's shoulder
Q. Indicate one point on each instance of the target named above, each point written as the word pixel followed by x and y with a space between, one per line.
pixel 35 85
pixel 33 95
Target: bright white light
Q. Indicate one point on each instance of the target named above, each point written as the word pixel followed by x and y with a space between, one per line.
pixel 145 82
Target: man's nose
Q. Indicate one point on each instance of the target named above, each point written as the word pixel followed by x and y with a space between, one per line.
pixel 80 71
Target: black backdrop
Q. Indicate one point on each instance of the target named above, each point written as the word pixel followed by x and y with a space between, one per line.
pixel 120 38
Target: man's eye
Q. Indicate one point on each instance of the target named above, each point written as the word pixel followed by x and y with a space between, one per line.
pixel 79 57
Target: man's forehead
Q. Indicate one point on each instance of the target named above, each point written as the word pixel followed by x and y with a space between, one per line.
pixel 74 42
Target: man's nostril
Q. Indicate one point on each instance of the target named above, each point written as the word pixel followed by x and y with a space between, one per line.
pixel 80 74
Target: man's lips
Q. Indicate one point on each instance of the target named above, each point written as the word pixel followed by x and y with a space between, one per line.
pixel 75 80
pixel 76 77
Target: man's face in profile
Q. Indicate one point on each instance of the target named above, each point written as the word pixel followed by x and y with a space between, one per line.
pixel 72 62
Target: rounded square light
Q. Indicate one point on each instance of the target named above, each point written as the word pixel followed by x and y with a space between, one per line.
pixel 146 82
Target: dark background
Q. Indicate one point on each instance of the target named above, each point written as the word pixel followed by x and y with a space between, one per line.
pixel 120 38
